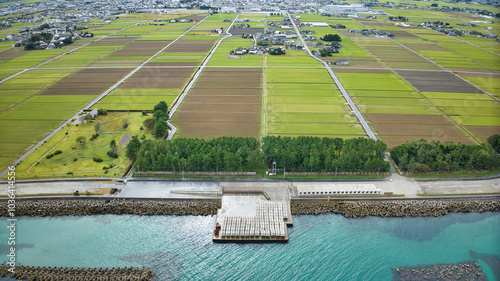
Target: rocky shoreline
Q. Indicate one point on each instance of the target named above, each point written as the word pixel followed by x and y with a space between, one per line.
pixel 395 208
pixel 466 270
pixel 23 272
pixel 86 207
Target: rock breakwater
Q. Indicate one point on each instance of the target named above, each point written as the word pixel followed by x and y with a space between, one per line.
pixel 395 208
pixel 467 270
pixel 116 206
pixel 23 272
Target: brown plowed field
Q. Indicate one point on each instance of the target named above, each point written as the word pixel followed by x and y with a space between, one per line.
pixel 190 46
pixel 152 79
pixel 418 130
pixel 12 53
pixel 236 117
pixel 434 81
pixel 147 84
pixel 425 47
pixel 484 130
pixel 160 72
pixel 221 92
pixel 223 99
pixel 240 31
pixel 222 108
pixel 392 141
pixel 227 85
pixel 406 119
pixel 231 110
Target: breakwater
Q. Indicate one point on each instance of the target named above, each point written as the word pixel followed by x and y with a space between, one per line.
pixel 395 208
pixel 84 207
pixel 23 272
pixel 467 270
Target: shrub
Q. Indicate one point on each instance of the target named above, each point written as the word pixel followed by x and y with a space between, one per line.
pixel 93 137
pixel 112 154
pixel 69 173
pixel 102 111
pixel 149 123
pixel 144 112
pixel 105 167
pixel 76 193
pixel 97 159
pixel 57 152
pixel 143 137
pixel 49 156
pixel 75 159
pixel 80 140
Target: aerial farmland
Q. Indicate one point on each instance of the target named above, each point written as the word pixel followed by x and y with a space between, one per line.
pixel 416 84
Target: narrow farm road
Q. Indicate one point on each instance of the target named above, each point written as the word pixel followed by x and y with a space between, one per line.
pixel 353 106
pixel 92 103
pixel 178 102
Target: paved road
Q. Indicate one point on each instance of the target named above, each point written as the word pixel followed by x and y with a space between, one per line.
pixel 95 101
pixel 178 102
pixel 353 106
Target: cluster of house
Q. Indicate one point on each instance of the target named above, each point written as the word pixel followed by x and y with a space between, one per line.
pixel 368 32
pixel 447 29
pixel 276 37
pixel 282 25
pixel 255 50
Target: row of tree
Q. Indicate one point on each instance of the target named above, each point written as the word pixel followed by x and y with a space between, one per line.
pixel 314 154
pixel 300 154
pixel 422 156
pixel 220 154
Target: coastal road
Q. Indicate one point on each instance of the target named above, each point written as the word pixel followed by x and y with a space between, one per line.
pixel 208 189
pixel 347 97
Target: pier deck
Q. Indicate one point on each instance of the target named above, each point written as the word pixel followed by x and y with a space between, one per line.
pixel 253 214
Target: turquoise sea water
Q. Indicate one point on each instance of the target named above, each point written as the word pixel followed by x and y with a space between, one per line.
pixel 323 247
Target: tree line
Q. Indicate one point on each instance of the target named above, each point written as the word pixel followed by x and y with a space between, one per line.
pixel 298 154
pixel 314 154
pixel 422 156
pixel 219 154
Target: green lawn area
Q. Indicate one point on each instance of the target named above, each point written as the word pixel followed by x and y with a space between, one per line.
pixel 78 158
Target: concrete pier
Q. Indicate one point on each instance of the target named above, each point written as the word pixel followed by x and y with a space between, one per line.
pixel 253 213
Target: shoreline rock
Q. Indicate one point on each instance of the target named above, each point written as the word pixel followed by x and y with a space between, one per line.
pixel 395 208
pixel 43 208
pixel 23 272
pixel 465 270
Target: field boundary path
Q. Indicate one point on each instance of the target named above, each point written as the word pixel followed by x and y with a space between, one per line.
pixel 347 97
pixel 438 65
pixel 66 53
pixel 92 103
pixel 178 102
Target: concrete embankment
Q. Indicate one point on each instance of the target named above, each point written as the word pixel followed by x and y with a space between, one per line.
pixel 23 272
pixel 395 208
pixel 79 207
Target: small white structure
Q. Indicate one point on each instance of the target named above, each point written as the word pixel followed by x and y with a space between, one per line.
pixel 352 8
pixel 315 24
pixel 337 189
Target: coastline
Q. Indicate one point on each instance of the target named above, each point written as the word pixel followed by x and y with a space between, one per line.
pixel 396 208
pixel 358 208
pixel 95 206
